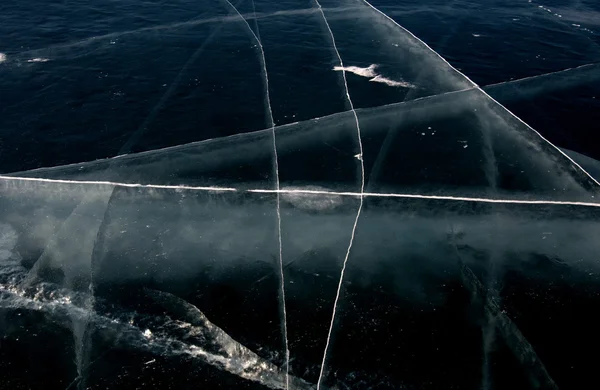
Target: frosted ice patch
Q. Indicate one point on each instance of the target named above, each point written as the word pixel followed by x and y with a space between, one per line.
pixel 2 57
pixel 357 70
pixel 391 83
pixel 302 198
pixel 8 240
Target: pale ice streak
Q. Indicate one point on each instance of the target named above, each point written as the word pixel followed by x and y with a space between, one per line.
pixel 116 184
pixel 482 91
pixel 38 59
pixel 276 168
pixel 434 197
pixel 568 71
pixel 362 189
pixel 390 82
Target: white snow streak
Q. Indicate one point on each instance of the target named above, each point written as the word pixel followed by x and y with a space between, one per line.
pixel 391 83
pixel 373 75
pixel 37 59
pixel 357 70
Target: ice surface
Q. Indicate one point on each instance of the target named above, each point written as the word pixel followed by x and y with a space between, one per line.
pixel 412 225
pixel 504 160
pixel 227 243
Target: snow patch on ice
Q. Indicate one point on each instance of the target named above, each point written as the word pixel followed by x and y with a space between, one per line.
pixel 38 60
pixel 373 75
pixel 364 72
pixel 391 83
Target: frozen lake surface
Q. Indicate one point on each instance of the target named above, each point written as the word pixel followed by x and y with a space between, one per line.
pixel 332 194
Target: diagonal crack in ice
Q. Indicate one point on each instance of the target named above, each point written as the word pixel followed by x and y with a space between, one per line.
pixel 500 321
pixel 491 88
pixel 126 148
pixel 361 198
pixel 482 91
pixel 568 72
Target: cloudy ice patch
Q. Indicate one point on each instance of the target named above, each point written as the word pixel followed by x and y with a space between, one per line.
pixel 373 75
pixel 2 57
pixel 390 82
pixel 8 240
pixel 319 200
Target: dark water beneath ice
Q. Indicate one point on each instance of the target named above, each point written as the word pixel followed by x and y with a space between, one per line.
pixel 87 80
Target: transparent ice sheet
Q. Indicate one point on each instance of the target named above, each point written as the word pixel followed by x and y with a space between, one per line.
pixel 367 245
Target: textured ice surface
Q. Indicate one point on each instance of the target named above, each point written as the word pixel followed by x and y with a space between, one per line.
pixel 361 215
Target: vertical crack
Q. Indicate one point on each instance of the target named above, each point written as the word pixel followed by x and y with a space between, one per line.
pixel 362 188
pixel 271 125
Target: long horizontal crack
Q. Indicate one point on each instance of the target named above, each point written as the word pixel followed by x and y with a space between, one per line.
pixel 300 191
